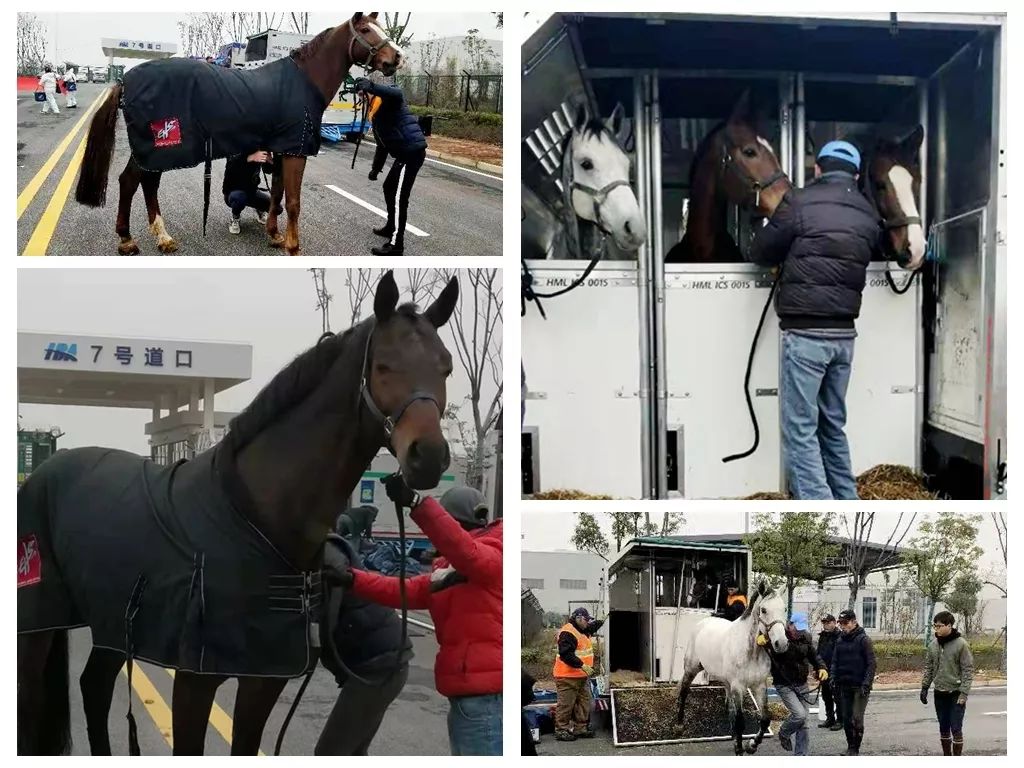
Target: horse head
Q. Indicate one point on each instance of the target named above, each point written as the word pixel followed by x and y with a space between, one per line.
pixel 894 183
pixel 751 175
pixel 405 374
pixel 595 170
pixel 768 612
pixel 370 45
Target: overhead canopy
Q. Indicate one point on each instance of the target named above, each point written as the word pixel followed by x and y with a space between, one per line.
pixel 638 552
pixel 125 372
pixel 124 48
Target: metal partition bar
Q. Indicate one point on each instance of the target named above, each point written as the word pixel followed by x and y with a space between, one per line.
pixel 657 266
pixel 919 404
pixel 800 133
pixel 643 284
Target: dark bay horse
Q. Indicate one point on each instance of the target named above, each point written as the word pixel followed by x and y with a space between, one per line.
pixel 733 165
pixel 893 183
pixel 207 112
pixel 272 488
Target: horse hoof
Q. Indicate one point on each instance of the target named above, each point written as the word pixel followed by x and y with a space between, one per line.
pixel 277 241
pixel 168 246
pixel 294 251
pixel 128 248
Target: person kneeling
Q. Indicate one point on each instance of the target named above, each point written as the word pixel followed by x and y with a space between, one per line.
pixel 242 187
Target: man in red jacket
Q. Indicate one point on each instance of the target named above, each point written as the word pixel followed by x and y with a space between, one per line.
pixel 463 595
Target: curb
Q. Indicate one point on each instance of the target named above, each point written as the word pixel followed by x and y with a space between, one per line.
pixel 975 684
pixel 465 162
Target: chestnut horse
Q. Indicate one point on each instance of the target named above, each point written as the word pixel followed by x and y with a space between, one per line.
pixel 325 60
pixel 893 183
pixel 733 165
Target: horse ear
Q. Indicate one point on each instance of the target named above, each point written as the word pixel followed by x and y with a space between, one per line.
pixel 357 16
pixel 386 298
pixel 582 115
pixel 441 310
pixel 741 109
pixel 910 145
pixel 374 15
pixel 617 119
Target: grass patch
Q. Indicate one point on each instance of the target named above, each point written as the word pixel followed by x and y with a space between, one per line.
pixel 484 127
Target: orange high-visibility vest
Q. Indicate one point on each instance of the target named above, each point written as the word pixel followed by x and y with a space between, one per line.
pixel 584 652
pixel 736 598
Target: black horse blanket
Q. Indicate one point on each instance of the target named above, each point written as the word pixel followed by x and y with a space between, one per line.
pixel 159 558
pixel 180 110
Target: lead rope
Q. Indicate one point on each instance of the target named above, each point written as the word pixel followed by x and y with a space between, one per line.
pixel 365 104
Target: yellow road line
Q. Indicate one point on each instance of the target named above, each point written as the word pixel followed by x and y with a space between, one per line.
pixel 220 720
pixel 32 188
pixel 153 702
pixel 43 233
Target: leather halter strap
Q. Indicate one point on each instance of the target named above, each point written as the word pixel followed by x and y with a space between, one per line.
pixel 370 47
pixel 756 185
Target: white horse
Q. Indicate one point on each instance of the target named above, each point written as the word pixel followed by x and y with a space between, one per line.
pixel 728 652
pixel 595 177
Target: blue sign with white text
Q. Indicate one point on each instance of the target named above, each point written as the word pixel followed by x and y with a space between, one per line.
pixel 366 491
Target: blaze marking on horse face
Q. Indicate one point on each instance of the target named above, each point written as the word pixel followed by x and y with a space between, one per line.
pixel 766 144
pixel 903 184
pixel 380 32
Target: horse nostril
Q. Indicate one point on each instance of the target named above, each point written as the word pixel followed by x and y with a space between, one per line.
pixel 629 228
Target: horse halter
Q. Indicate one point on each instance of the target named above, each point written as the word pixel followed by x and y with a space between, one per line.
pixel 756 186
pixel 597 196
pixel 370 47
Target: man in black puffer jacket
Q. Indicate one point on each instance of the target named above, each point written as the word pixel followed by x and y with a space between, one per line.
pixel 853 673
pixel 826 649
pixel 398 134
pixel 822 237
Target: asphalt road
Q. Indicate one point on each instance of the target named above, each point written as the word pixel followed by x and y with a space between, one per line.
pixel 896 724
pixel 414 725
pixel 459 210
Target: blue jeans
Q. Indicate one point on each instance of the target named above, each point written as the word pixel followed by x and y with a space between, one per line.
pixel 238 200
pixel 474 724
pixel 796 723
pixel 814 378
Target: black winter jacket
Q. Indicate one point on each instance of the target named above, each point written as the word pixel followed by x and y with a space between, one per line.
pixel 395 125
pixel 827 645
pixel 823 236
pixel 853 661
pixel 792 667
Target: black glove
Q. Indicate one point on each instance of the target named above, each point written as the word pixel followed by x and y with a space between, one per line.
pixel 398 491
pixel 361 84
pixel 924 695
pixel 373 175
pixel 865 690
pixel 337 569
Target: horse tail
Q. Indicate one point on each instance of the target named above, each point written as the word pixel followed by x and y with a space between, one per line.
pixel 99 150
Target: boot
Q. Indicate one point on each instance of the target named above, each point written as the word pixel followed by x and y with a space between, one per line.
pixel 386 231
pixel 827 724
pixel 564 736
pixel 958 747
pixel 947 745
pixel 836 727
pixel 586 733
pixel 389 249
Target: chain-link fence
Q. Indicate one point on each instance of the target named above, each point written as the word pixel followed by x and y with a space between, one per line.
pixel 465 92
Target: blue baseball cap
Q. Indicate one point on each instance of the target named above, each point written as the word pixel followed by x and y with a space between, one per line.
pixel 841 150
pixel 799 620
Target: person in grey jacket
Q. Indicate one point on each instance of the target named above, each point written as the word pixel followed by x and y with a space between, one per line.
pixel 949 666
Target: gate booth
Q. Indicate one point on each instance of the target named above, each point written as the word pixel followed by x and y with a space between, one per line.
pixel 666 345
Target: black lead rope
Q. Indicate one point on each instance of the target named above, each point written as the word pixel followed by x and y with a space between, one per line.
pixel 365 105
pixel 207 175
pixel 130 612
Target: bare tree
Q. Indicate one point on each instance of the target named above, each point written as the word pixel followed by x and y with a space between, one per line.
pixel 479 51
pixel 31 44
pixel 432 52
pixel 998 579
pixel 863 557
pixel 323 298
pixel 361 284
pixel 300 22
pixel 499 19
pixel 476 327
pixel 395 29
pixel 203 33
pixel 422 283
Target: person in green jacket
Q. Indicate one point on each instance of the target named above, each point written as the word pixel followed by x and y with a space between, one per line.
pixel 948 665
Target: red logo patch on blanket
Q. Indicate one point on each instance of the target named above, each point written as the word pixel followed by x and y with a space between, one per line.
pixel 166 132
pixel 30 564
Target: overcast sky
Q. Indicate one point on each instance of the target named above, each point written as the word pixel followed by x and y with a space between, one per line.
pixel 76 36
pixel 547 531
pixel 274 310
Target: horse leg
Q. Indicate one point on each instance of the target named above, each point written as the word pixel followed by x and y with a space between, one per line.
pixel 737 721
pixel 293 170
pixel 151 191
pixel 44 709
pixel 255 699
pixel 97 684
pixel 764 722
pixel 128 181
pixel 276 195
pixel 191 702
pixel 683 687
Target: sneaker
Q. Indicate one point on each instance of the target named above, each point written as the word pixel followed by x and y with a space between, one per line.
pixel 586 733
pixel 235 227
pixel 564 736
pixel 386 231
pixel 836 727
pixel 786 742
pixel 261 217
pixel 388 249
pixel 827 724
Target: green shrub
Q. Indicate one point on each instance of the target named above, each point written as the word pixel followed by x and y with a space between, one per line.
pixel 484 127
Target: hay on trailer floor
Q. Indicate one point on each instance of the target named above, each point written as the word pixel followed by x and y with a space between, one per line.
pixel 644 714
pixel 568 494
pixel 623 678
pixel 885 482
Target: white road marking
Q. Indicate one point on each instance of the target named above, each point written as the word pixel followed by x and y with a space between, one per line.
pixel 374 209
pixel 993 713
pixel 467 170
pixel 424 625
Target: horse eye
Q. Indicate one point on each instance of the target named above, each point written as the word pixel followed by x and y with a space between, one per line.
pixel 749 152
pixel 587 165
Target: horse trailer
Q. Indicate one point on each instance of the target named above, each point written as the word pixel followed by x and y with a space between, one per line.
pixel 659 588
pixel 635 379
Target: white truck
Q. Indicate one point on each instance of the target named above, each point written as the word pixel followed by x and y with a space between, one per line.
pixel 636 379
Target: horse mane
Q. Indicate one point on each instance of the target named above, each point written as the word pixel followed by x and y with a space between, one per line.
pixel 306 51
pixel 297 381
pixel 702 147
